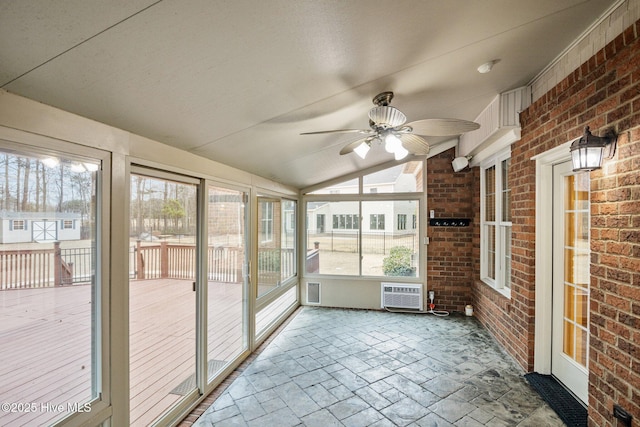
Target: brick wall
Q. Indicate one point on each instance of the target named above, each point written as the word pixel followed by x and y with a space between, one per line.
pixel 603 92
pixel 449 267
pixel 510 321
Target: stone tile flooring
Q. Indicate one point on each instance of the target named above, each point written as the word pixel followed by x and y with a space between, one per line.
pixel 335 367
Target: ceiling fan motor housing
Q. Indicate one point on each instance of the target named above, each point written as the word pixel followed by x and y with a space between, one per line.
pixel 386 117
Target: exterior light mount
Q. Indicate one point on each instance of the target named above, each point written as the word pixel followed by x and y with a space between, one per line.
pixel 588 151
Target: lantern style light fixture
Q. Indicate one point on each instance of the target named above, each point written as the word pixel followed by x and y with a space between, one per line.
pixel 588 151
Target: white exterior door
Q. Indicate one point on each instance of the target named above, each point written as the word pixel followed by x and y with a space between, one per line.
pixel 45 230
pixel 571 277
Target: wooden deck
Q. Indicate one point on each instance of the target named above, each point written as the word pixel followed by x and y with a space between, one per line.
pixel 45 338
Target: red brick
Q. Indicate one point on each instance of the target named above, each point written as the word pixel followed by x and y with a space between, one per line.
pixel 602 92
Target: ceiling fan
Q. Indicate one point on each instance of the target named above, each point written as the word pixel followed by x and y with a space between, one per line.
pixel 388 125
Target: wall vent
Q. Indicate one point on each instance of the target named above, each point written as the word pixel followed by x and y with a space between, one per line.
pixel 401 295
pixel 313 293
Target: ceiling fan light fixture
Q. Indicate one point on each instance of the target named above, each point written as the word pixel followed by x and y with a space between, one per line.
pixel 386 116
pixel 388 128
pixel 362 149
pixel 391 143
pixel 400 152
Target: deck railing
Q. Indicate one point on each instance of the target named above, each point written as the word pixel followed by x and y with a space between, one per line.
pixel 38 268
pixel 21 269
pixel 26 269
pixel 166 260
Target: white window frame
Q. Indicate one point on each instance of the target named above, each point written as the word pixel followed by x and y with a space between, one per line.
pixel 499 226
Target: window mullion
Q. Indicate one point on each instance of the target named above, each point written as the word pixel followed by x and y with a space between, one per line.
pixel 360 236
pixel 498 229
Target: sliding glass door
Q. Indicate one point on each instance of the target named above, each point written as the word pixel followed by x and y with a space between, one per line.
pixel 162 293
pixel 226 277
pixel 187 290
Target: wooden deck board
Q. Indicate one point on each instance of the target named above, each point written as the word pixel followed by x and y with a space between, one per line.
pixel 45 337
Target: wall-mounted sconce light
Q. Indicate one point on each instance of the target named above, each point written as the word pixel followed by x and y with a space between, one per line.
pixel 588 151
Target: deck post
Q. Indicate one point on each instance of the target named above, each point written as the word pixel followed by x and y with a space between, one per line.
pixel 139 261
pixel 57 264
pixel 164 260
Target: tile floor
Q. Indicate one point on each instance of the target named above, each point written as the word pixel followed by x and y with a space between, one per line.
pixel 335 367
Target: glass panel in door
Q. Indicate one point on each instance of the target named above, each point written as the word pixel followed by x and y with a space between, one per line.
pixel 576 268
pixel 227 271
pixel 571 276
pixel 162 297
pixel 49 285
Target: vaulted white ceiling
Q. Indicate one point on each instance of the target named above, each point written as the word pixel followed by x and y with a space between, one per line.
pixel 238 81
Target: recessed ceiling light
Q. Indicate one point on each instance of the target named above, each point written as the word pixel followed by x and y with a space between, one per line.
pixel 487 66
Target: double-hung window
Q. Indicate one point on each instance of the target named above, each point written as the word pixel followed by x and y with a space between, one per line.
pixel 495 214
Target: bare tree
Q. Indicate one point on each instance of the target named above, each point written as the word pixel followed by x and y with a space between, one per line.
pixel 25 184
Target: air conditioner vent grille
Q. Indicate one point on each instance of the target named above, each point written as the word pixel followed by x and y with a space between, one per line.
pixel 401 295
pixel 313 293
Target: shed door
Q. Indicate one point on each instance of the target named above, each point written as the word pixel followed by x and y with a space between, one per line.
pixel 45 230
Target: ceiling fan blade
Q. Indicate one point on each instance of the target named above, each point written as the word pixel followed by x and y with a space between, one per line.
pixel 442 127
pixel 415 144
pixel 320 132
pixel 353 145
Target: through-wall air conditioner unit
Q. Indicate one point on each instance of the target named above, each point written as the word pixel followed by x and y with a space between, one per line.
pixel 401 295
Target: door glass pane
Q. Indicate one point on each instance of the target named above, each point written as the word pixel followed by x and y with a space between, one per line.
pixel 582 338
pixel 576 267
pixel 569 339
pixel 389 250
pixel 48 286
pixel 226 278
pixel 162 301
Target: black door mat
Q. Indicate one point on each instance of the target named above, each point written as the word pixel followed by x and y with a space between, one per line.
pixel 189 384
pixel 568 408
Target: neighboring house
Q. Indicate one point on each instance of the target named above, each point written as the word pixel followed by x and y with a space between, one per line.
pixel 24 227
pixel 380 216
